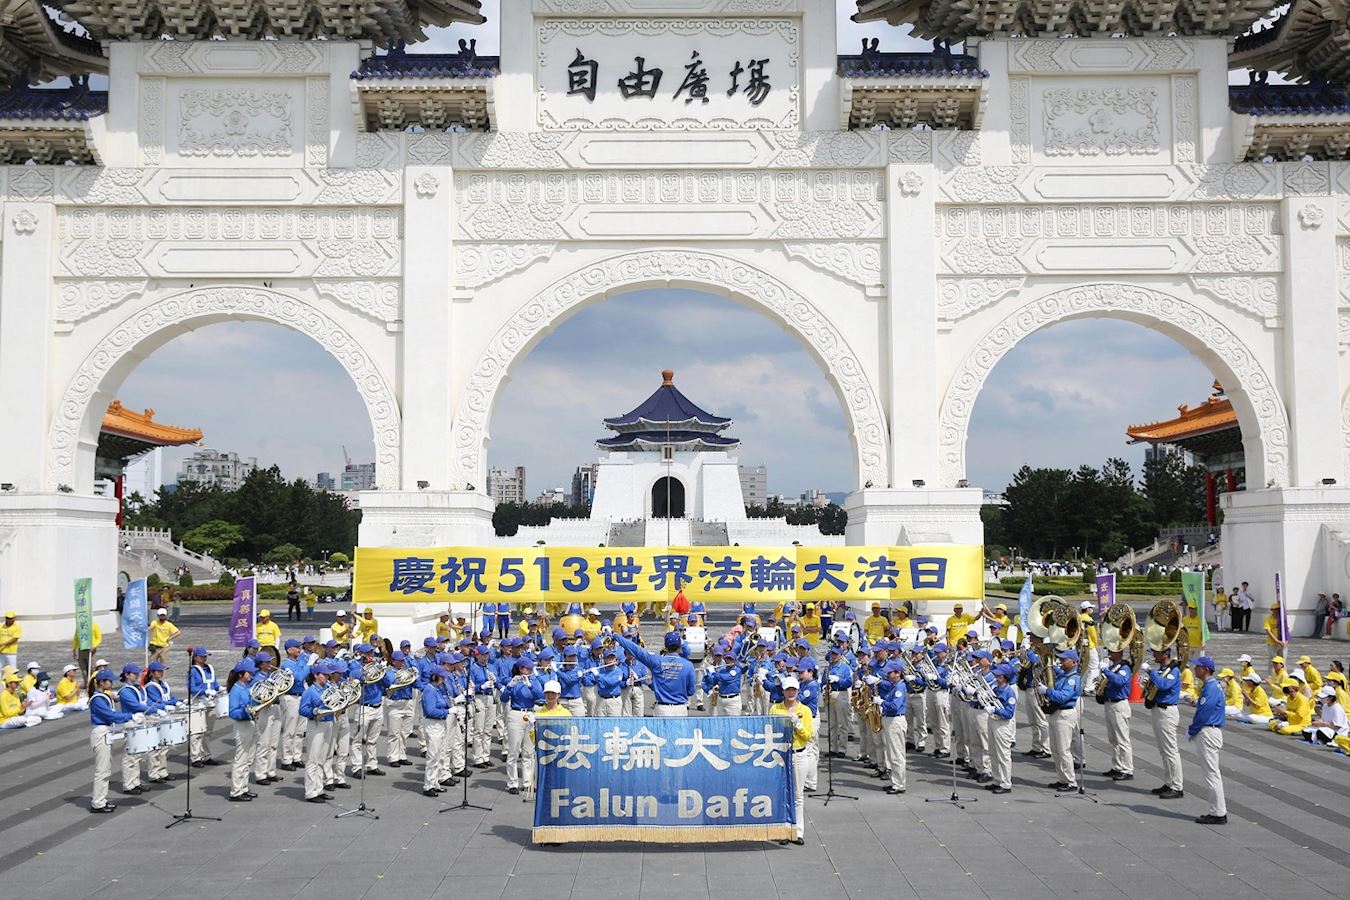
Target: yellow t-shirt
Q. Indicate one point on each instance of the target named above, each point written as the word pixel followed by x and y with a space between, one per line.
pixel 1298 710
pixel 10 705
pixel 875 626
pixel 342 633
pixel 445 630
pixel 557 712
pixel 811 627
pixel 591 629
pixel 93 645
pixel 269 634
pixel 67 690
pixel 803 727
pixel 1272 627
pixel 957 626
pixel 1190 623
pixel 1314 677
pixel 1232 693
pixel 1188 683
pixel 161 632
pixel 1090 628
pixel 1258 704
pixel 9 637
pixel 366 627
pixel 27 684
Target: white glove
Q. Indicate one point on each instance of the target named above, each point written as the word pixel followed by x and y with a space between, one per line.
pixel 967 691
pixel 834 679
pixel 873 679
pixel 460 700
pixel 1042 690
pixel 989 708
pixel 1146 666
pixel 876 701
pixel 138 718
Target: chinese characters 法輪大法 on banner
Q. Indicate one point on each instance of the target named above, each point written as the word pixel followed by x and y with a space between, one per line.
pixel 664 780
pixel 655 574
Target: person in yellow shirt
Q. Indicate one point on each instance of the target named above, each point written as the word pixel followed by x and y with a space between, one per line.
pixel 1310 674
pixel 445 629
pixel 342 630
pixel 875 625
pixel 10 632
pixel 268 632
pixel 84 657
pixel 1272 630
pixel 162 633
pixel 552 708
pixel 1297 713
pixel 1187 685
pixel 810 622
pixel 592 625
pixel 1232 692
pixel 1000 616
pixel 1220 607
pixel 68 690
pixel 957 624
pixel 29 679
pixel 13 707
pixel 1337 680
pixel 1256 705
pixel 803 730
pixel 1190 624
pixel 1277 673
pixel 366 625
pixel 1245 665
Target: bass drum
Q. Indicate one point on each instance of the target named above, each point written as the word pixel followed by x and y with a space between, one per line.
pixel 696 640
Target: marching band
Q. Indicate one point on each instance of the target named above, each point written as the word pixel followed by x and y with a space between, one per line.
pixel 324 708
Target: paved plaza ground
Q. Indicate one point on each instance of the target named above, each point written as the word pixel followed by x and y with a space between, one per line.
pixel 1288 831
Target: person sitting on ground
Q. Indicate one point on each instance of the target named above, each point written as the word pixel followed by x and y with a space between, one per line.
pixel 1310 674
pixel 1297 714
pixel 68 697
pixel 1331 723
pixel 13 707
pixel 1338 681
pixel 40 702
pixel 1232 692
pixel 1256 704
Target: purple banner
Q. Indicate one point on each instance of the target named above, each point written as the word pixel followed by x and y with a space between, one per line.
pixel 1106 592
pixel 1284 617
pixel 242 618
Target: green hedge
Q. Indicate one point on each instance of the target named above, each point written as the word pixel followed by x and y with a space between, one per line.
pixel 266 592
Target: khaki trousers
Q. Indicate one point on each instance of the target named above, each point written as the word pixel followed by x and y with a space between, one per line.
pixel 1118 734
pixel 432 753
pixel 939 704
pixel 245 743
pixel 367 723
pixel 1208 743
pixel 293 744
pixel 1001 735
pixel 269 738
pixel 609 706
pixel 1036 718
pixel 1063 725
pixel 318 750
pixel 398 715
pixel 893 728
pixel 98 742
pixel 1165 733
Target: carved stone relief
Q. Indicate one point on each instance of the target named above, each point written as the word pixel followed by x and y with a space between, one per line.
pixel 78 300
pixel 380 300
pixel 1091 122
pixel 1256 295
pixel 316 122
pixel 962 297
pixel 480 264
pixel 235 123
pixel 1185 128
pixel 859 263
pixel 152 121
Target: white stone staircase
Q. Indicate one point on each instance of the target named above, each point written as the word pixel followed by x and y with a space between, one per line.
pixel 151 551
pixel 680 534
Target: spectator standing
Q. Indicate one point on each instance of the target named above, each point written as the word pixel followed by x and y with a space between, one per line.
pixel 1246 603
pixel 1320 611
pixel 82 657
pixel 293 603
pixel 10 633
pixel 162 633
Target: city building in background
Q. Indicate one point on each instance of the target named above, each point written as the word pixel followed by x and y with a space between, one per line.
pixel 324 481
pixel 506 485
pixel 224 469
pixel 358 477
pixel 754 484
pixel 553 496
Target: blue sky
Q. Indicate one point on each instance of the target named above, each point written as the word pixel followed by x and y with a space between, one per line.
pixel 1055 400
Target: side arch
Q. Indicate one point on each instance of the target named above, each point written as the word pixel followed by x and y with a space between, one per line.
pixel 75 420
pixel 691 268
pixel 1260 410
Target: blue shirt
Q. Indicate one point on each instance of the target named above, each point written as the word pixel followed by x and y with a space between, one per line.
pixel 727 680
pixel 1118 677
pixel 896 699
pixel 299 671
pixel 809 693
pixel 102 711
pixel 522 695
pixel 1064 695
pixel 1209 708
pixel 311 701
pixel 240 700
pixel 672 676
pixel 608 681
pixel 403 693
pixel 843 672
pixel 373 694
pixel 1006 707
pixel 1168 682
pixel 200 680
pixel 569 679
pixel 133 699
pixel 159 692
pixel 435 704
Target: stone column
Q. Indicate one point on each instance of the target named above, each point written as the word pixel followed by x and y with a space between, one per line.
pixel 26 249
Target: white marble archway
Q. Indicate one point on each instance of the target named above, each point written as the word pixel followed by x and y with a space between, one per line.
pixel 75 422
pixel 1260 410
pixel 687 267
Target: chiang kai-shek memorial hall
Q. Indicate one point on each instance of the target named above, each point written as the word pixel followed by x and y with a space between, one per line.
pixel 909 217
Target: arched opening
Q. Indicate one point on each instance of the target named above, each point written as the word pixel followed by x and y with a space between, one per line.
pixel 668 498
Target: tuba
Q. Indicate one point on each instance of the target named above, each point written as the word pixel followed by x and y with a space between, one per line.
pixel 1055 623
pixel 1162 630
pixel 1120 634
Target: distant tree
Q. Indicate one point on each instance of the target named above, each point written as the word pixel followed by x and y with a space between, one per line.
pixel 283 554
pixel 1175 491
pixel 214 537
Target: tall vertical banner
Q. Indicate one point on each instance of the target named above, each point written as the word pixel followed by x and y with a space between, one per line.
pixel 1025 597
pixel 242 616
pixel 677 780
pixel 134 615
pixel 1193 592
pixel 1105 588
pixel 84 613
pixel 1284 617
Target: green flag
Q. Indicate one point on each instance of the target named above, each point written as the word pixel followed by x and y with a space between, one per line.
pixel 1193 591
pixel 84 612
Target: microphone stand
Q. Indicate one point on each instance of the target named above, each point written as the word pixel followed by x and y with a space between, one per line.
pixel 361 808
pixel 830 793
pixel 186 815
pixel 464 801
pixel 955 799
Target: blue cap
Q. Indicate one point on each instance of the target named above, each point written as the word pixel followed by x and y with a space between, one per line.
pixel 833 651
pixel 429 642
pixel 806 665
pixel 131 669
pixel 893 667
pixel 922 620
pixel 155 666
pixel 246 665
pixel 611 652
pixel 308 639
pixel 1206 661
pixel 1004 670
pixel 290 642
pixel 330 644
pixel 397 657
pixel 103 675
pixel 1068 654
pixel 939 648
pixel 972 633
pixel 801 642
pixel 547 653
pixel 570 650
pixel 481 648
pixel 441 671
pixel 852 616
pixel 1006 645
pixel 200 651
pixel 364 648
pixel 982 654
pixel 404 643
pixel 559 634
pixel 673 640
pixel 253 644
pixel 995 626
pixel 932 629
pixel 525 663
pixel 580 632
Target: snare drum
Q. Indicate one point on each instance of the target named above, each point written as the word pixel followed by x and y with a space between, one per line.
pixel 197 718
pixel 696 639
pixel 142 739
pixel 222 705
pixel 173 732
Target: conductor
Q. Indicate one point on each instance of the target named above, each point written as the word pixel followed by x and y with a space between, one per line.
pixel 672 674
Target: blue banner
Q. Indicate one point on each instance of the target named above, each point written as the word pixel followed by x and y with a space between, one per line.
pixel 134 611
pixel 1025 597
pixel 664 780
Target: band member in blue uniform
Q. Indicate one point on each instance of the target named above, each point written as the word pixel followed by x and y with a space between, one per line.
pixel 1063 700
pixel 103 714
pixel 672 674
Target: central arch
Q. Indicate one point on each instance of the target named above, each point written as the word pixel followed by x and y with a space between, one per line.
pixel 667 498
pixel 1260 411
pixel 688 268
pixel 76 419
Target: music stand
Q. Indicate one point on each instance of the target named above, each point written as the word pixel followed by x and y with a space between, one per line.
pixel 361 808
pixel 187 815
pixel 1081 793
pixel 464 801
pixel 830 793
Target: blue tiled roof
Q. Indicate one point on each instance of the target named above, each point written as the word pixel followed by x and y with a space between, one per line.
pixel 667 404
pixel 939 64
pixel 632 439
pixel 1281 99
pixel 74 103
pixel 398 63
